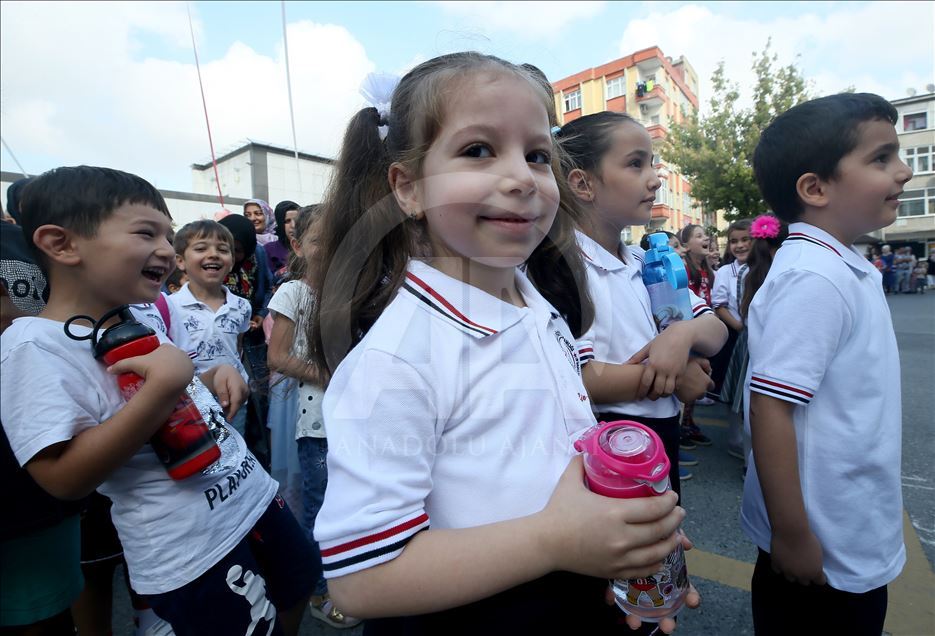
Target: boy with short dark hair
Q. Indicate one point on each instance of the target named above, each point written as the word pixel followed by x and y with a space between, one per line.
pixel 822 499
pixel 203 551
pixel 207 320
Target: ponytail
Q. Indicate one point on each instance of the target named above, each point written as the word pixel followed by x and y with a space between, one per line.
pixel 758 264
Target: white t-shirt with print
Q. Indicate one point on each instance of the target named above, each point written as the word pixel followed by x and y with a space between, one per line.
pixel 171 531
pixel 209 337
pixel 456 409
pixel 292 300
pixel 623 318
pixel 821 338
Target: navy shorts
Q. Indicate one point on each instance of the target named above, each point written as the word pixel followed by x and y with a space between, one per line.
pixel 271 569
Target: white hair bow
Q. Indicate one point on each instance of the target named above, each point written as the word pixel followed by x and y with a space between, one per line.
pixel 377 89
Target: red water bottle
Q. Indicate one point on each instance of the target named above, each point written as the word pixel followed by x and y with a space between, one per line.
pixel 184 443
pixel 627 460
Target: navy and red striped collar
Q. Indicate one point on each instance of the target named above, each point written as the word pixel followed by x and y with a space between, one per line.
pixel 468 308
pixel 805 233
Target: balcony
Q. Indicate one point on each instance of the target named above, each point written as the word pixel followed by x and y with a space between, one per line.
pixel 661 212
pixel 653 98
pixel 657 131
pixel 649 64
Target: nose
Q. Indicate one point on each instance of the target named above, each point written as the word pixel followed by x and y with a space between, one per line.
pixel 655 182
pixel 517 177
pixel 905 173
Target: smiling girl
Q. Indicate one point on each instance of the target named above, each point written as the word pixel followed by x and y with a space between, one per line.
pixel 455 502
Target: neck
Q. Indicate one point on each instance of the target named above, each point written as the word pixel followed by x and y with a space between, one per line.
pixel 605 233
pixel 824 220
pixel 70 299
pixel 496 281
pixel 696 260
pixel 207 293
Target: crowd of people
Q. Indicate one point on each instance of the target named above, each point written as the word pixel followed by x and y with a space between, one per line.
pixel 903 272
pixel 399 373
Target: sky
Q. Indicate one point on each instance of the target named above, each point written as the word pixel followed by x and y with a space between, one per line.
pixel 115 83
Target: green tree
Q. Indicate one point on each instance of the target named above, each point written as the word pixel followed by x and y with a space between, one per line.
pixel 715 152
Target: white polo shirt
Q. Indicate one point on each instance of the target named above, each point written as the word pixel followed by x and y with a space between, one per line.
pixel 726 288
pixel 209 337
pixel 456 409
pixel 821 337
pixel 623 318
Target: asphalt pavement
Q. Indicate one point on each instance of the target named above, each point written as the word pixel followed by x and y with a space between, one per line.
pixel 722 561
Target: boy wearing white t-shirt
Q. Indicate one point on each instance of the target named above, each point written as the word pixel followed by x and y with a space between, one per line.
pixel 216 552
pixel 208 321
pixel 822 499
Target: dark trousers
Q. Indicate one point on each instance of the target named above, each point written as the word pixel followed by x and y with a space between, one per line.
pixel 781 608
pixel 667 428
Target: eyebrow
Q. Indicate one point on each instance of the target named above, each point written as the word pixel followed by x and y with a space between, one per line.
pixel 491 131
pixel 885 148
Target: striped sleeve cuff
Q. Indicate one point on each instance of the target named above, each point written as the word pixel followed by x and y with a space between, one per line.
pixel 782 390
pixel 352 554
pixel 700 310
pixel 585 351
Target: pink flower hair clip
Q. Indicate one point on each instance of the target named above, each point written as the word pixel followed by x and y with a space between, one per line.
pixel 765 226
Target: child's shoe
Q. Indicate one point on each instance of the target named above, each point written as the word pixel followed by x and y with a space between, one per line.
pixel 324 610
pixel 694 435
pixel 685 459
pixel 684 474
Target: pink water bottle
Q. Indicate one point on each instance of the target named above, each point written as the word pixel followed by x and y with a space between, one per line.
pixel 627 460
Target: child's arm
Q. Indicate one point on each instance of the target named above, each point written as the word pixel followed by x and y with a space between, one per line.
pixel 695 381
pixel 608 383
pixel 668 353
pixel 227 385
pixel 279 357
pixel 577 531
pixel 74 468
pixel 794 550
pixel 727 318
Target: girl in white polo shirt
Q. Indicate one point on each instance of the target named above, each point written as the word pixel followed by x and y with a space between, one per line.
pixel 613 178
pixel 454 504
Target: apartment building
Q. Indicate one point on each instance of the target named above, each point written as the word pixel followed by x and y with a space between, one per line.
pixel 656 91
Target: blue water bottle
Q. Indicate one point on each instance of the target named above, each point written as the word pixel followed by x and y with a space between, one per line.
pixel 666 281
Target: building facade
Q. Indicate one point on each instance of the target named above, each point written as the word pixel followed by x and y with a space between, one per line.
pixel 655 90
pixel 915 220
pixel 252 171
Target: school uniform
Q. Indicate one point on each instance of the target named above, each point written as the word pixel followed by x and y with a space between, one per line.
pixel 455 410
pixel 821 338
pixel 624 324
pixel 728 282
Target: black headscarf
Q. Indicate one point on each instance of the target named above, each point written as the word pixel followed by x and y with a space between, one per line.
pixel 280 213
pixel 12 198
pixel 243 231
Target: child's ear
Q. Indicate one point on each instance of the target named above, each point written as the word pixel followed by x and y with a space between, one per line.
pixel 180 262
pixel 579 182
pixel 406 190
pixel 295 245
pixel 812 190
pixel 58 244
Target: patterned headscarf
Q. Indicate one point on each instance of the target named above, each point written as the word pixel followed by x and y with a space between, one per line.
pixel 269 233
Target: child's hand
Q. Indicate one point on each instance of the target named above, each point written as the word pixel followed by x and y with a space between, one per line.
pixel 611 538
pixel 168 369
pixel 797 555
pixel 230 389
pixel 665 357
pixel 695 382
pixel 256 322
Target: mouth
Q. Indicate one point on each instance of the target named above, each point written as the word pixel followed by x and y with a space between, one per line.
pixel 211 267
pixel 155 274
pixel 651 199
pixel 515 220
pixel 894 197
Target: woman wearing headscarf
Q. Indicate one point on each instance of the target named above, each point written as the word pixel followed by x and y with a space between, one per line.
pixel 278 251
pixel 250 278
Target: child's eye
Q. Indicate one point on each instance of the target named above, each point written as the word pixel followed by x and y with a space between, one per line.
pixel 882 158
pixel 636 163
pixel 539 156
pixel 478 151
pixel 148 233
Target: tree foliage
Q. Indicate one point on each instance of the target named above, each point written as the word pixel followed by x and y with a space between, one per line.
pixel 715 152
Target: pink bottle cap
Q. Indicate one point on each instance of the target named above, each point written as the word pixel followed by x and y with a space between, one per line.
pixel 629 449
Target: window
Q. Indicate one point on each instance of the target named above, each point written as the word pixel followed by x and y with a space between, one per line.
pixel 654 120
pixel 664 195
pixel 573 100
pixel 626 235
pixel 915 121
pixel 917 202
pixel 920 159
pixel 616 87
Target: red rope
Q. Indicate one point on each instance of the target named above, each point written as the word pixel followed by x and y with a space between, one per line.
pixel 204 103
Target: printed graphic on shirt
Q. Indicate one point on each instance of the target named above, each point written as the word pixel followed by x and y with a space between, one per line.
pixel 253 588
pixel 569 350
pixel 25 284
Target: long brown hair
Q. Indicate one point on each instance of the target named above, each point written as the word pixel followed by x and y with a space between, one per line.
pixel 366 240
pixel 694 271
pixel 758 264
